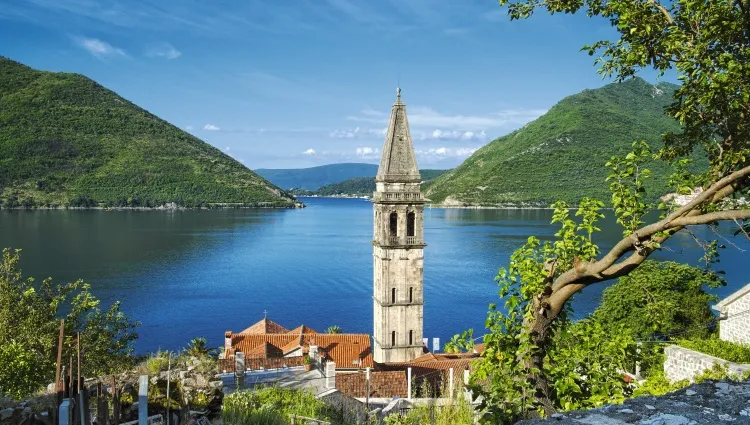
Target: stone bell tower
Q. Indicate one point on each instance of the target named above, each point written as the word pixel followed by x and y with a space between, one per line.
pixel 398 246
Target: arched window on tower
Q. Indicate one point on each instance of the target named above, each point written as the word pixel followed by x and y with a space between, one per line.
pixel 393 224
pixel 393 295
pixel 393 338
pixel 410 224
pixel 411 337
pixel 411 295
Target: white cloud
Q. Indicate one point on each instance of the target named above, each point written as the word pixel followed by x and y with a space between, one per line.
pixel 358 132
pixel 99 48
pixel 310 151
pixel 452 135
pixel 367 152
pixel 211 127
pixel 163 50
pixel 428 117
pixel 445 152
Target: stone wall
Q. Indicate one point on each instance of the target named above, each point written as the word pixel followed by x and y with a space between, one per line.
pixel 707 403
pixel 681 363
pixel 736 326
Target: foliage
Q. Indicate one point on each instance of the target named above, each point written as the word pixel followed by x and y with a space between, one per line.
pixel 727 350
pixel 660 300
pixel 459 412
pixel 274 405
pixel 583 361
pixel 366 185
pixel 158 362
pixel 20 374
pixel 708 45
pixel 30 315
pixel 558 156
pixel 197 347
pixel 333 329
pixel 67 141
pixel 658 384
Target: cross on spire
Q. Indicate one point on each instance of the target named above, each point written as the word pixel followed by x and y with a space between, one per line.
pixel 265 314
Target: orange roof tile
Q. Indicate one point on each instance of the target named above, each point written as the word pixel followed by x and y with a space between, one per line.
pixel 265 326
pixel 382 384
pixel 302 329
pixel 479 348
pixel 348 351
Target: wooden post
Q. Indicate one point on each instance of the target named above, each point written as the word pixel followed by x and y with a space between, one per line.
pixel 58 384
pixel 115 402
pixel 78 361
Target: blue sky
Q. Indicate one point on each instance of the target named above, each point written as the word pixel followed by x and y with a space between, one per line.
pixel 298 83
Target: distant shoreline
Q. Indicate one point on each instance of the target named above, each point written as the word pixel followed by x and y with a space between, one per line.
pixel 441 206
pixel 159 208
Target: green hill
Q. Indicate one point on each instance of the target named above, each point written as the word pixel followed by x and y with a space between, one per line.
pixel 67 141
pixel 366 185
pixel 561 155
pixel 315 177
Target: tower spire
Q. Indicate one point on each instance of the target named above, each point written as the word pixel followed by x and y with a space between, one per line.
pixel 398 163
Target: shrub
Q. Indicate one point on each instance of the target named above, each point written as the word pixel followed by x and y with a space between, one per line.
pixel 273 405
pixel 730 351
pixel 459 412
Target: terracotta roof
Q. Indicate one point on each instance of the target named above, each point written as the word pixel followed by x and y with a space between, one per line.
pixel 264 351
pixel 302 329
pixel 343 349
pixel 479 348
pixel 265 326
pixel 382 384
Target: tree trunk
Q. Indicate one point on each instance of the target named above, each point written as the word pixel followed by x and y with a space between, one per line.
pixel 539 331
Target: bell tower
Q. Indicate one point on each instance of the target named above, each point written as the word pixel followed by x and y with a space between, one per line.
pixel 398 246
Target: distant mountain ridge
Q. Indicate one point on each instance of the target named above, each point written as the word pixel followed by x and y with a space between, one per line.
pixel 365 186
pixel 67 141
pixel 315 177
pixel 561 155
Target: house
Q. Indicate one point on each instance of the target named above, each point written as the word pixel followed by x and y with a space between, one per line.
pixel 267 344
pixel 734 316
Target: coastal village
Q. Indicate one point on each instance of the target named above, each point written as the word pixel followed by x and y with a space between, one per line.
pixel 395 362
pixel 366 378
pixel 585 241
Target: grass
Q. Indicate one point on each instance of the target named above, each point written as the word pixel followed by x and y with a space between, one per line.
pixel 730 351
pixel 66 141
pixel 561 155
pixel 273 405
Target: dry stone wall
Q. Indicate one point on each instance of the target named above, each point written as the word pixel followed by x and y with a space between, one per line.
pixel 707 403
pixel 681 363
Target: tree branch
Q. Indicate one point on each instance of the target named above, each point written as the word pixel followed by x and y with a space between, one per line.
pixel 663 11
pixel 684 216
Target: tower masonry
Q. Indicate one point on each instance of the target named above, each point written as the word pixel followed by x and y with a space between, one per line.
pixel 398 246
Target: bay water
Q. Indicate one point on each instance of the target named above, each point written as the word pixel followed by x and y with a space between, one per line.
pixel 192 273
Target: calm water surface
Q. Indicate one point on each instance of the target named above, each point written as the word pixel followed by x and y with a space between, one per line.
pixel 198 273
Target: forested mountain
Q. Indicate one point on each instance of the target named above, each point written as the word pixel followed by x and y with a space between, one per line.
pixel 316 177
pixel 366 185
pixel 67 141
pixel 561 155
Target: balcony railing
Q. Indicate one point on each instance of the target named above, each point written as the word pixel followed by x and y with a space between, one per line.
pixel 409 240
pixel 397 196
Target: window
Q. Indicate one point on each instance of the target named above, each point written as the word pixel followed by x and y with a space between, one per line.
pixel 393 338
pixel 393 224
pixel 393 295
pixel 411 337
pixel 410 224
pixel 411 295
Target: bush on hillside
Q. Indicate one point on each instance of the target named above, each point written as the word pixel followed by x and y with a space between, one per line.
pixel 729 351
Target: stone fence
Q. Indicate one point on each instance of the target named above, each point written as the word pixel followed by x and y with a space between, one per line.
pixel 681 363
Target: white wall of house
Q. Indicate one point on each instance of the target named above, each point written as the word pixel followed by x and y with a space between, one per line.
pixel 734 312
